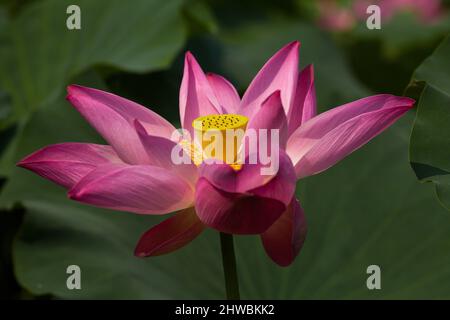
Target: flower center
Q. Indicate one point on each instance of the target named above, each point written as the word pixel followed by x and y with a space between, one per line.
pixel 220 136
pixel 220 122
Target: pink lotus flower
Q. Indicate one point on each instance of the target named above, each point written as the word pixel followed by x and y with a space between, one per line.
pixel 135 173
pixel 335 16
pixel 427 11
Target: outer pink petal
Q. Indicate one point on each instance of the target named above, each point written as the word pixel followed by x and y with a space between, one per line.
pixel 225 92
pixel 284 239
pixel 282 186
pixel 196 95
pixel 159 151
pixel 141 189
pixel 271 115
pixel 234 212
pixel 225 178
pixel 170 235
pixel 107 113
pixel 279 73
pixel 243 202
pixel 326 139
pixel 304 106
pixel 66 163
pixel 249 177
pixel 129 110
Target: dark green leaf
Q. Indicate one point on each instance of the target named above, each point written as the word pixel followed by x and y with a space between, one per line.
pixel 430 138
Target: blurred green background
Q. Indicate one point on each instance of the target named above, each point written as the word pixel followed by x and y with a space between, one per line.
pixel 369 209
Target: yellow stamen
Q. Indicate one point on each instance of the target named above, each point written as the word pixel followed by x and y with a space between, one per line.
pixel 193 150
pixel 220 137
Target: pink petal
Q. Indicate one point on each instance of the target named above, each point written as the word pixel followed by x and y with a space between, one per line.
pixel 225 92
pixel 113 117
pixel 66 163
pixel 328 138
pixel 196 95
pixel 279 73
pixel 282 186
pixel 244 201
pixel 284 239
pixel 139 188
pixel 159 152
pixel 270 116
pixel 233 212
pixel 170 235
pixel 129 110
pixel 225 178
pixel 249 176
pixel 304 106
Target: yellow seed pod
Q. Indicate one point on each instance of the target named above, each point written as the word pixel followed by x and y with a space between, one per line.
pixel 220 135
